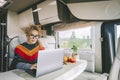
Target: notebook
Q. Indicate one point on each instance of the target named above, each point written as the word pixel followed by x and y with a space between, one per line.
pixel 47 62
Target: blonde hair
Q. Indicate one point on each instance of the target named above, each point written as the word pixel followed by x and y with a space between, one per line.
pixel 27 30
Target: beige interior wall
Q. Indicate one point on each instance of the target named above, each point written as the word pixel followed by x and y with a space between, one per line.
pixel 13 24
pixel 26 18
pixel 16 21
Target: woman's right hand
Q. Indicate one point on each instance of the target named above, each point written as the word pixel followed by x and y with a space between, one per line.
pixel 33 66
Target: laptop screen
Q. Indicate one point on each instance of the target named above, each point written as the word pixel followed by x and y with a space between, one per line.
pixel 49 60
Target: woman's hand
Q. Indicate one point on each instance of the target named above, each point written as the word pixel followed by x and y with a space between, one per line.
pixel 33 66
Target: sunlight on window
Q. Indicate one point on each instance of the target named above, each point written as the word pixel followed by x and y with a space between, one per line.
pixel 118 31
pixel 79 37
pixel 117 34
pixel 2 2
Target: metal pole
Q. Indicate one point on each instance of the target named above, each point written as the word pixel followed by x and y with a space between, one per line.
pixel 3 31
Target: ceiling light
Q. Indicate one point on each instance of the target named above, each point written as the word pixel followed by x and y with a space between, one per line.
pixel 2 2
pixel 38 9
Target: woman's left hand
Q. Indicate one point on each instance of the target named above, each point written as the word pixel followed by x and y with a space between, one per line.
pixel 33 66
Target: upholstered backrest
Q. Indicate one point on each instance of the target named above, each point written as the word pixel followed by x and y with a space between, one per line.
pixel 115 70
pixel 48 42
pixel 22 38
pixel 12 46
pixel 18 40
pixel 89 56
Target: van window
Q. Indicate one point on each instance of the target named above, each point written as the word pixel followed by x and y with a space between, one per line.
pixel 79 37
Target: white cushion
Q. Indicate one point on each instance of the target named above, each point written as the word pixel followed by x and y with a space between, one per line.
pixel 48 42
pixel 16 41
pixel 89 56
pixel 12 46
pixel 22 38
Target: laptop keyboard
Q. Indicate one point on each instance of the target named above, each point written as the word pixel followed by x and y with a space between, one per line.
pixel 32 72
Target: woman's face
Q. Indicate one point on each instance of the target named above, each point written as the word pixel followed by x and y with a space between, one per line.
pixel 33 37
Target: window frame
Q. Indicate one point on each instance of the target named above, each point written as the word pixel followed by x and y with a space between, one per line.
pixel 85 49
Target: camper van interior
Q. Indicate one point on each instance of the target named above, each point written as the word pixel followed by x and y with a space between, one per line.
pixel 92 26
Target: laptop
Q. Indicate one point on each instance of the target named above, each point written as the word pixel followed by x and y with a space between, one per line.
pixel 47 62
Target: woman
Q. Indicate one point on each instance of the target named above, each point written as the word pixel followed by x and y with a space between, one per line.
pixel 26 53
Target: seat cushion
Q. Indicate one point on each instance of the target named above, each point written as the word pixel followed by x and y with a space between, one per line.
pixel 114 72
